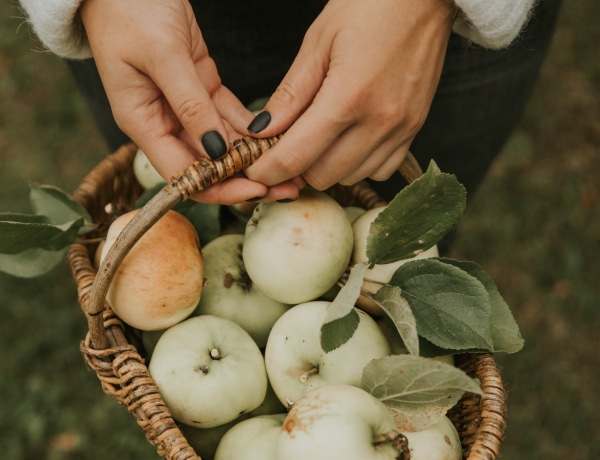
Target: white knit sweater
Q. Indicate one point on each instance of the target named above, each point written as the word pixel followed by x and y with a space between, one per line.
pixel 489 23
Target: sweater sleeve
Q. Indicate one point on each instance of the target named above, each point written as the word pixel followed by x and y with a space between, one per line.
pixel 489 23
pixel 492 23
pixel 57 25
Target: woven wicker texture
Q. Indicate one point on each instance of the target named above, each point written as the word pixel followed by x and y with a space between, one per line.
pixel 109 347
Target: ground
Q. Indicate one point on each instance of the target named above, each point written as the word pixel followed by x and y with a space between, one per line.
pixel 534 227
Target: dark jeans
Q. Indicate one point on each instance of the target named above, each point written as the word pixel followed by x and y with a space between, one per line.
pixel 479 100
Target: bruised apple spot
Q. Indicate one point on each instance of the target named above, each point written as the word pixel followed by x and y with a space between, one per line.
pixel 447 440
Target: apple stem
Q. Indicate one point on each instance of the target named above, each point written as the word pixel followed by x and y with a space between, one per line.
pixel 398 440
pixel 215 353
pixel 304 377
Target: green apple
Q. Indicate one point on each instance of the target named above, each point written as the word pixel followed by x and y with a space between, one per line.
pixel 438 442
pixel 297 251
pixel 230 293
pixel 251 439
pixel 144 171
pixel 209 371
pixel 296 363
pixel 379 274
pixel 205 440
pixel 337 422
pixel 159 282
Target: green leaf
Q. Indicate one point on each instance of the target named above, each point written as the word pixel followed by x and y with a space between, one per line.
pixel 341 320
pixel 31 262
pixel 58 206
pixel 452 308
pixel 18 236
pixel 418 391
pixel 205 217
pixel 417 218
pixel 506 335
pixel 390 300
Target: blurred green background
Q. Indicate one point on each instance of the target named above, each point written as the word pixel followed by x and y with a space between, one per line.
pixel 534 227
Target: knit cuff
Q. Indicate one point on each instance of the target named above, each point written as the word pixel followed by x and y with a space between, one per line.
pixel 492 24
pixel 58 26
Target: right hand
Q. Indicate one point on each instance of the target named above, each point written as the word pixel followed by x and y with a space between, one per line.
pixel 164 89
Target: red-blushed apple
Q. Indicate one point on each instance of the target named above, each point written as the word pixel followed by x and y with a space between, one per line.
pixel 296 363
pixel 230 293
pixel 159 282
pixel 251 439
pixel 297 251
pixel 337 422
pixel 438 442
pixel 144 171
pixel 379 274
pixel 209 371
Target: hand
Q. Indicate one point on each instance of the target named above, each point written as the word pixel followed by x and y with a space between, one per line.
pixel 165 91
pixel 357 93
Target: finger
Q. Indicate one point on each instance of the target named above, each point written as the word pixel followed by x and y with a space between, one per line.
pixel 192 104
pixel 295 92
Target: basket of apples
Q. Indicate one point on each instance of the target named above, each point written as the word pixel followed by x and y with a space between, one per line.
pixel 325 328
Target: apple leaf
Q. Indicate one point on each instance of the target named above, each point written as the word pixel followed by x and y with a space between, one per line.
pixel 32 262
pixel 22 234
pixel 452 307
pixel 417 218
pixel 205 217
pixel 506 336
pixel 390 300
pixel 56 205
pixel 418 391
pixel 342 320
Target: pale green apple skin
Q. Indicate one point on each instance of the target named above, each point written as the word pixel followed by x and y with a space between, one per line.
pixel 200 390
pixel 296 363
pixel 229 293
pixel 159 283
pixel 296 251
pixel 336 422
pixel 439 442
pixel 205 440
pixel 144 171
pixel 251 439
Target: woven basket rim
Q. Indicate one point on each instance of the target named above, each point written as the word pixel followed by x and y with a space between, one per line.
pixel 121 368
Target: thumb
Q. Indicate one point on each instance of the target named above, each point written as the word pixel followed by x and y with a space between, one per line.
pixel 293 95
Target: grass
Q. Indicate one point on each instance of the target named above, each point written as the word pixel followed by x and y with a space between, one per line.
pixel 534 227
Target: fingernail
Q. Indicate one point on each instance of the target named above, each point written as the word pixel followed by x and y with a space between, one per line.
pixel 286 200
pixel 260 122
pixel 214 144
pixel 256 198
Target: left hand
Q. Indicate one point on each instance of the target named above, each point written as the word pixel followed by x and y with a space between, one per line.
pixel 357 93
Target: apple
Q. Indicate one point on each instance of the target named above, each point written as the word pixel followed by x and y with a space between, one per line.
pixel 379 274
pixel 209 371
pixel 438 442
pixel 159 282
pixel 230 293
pixel 297 251
pixel 205 440
pixel 251 439
pixel 296 363
pixel 144 171
pixel 337 422
pixel 352 212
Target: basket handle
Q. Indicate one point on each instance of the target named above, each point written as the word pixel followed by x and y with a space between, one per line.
pixel 195 178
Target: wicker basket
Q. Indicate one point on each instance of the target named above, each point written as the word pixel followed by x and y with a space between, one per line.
pixel 109 348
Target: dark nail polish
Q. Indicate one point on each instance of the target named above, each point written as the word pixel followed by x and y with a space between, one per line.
pixel 286 200
pixel 260 122
pixel 256 198
pixel 214 144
